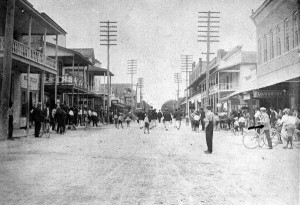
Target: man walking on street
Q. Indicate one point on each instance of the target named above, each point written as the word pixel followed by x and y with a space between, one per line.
pixel 37 116
pixel 209 129
pixel 167 119
pixel 265 120
pixel 202 116
pixel 159 116
pixel 178 116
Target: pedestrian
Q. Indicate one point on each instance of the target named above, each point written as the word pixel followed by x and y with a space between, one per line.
pixel 116 120
pixel 167 119
pixel 242 121
pixel 236 125
pixel 178 116
pixel 196 121
pixel 147 124
pixel 273 116
pixel 10 121
pixel 257 116
pixel 80 117
pixel 141 117
pixel 38 118
pixel 187 120
pixel 120 120
pixel 59 118
pixel 202 116
pixel 150 117
pixel 154 116
pixel 159 116
pixel 128 121
pixel 209 129
pixel 217 122
pixel 53 118
pixel 265 120
pixel 290 129
pixel 278 127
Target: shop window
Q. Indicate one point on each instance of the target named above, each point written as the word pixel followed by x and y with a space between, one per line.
pixel 265 48
pixel 286 35
pixel 271 44
pixel 278 41
pixel 295 29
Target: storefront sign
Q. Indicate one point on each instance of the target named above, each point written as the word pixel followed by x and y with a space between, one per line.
pixel 270 93
pixel 246 96
pixel 34 80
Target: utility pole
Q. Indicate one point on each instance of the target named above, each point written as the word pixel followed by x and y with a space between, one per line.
pixel 108 37
pixel 141 85
pixel 208 25
pixel 186 67
pixel 132 69
pixel 178 80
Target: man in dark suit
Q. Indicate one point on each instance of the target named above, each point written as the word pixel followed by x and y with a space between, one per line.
pixel 38 117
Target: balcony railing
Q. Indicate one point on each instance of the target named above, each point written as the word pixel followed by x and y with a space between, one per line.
pixel 97 89
pixel 194 75
pixel 29 53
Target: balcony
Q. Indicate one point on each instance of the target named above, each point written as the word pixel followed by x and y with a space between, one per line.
pixel 98 89
pixel 29 53
pixel 221 87
pixel 194 75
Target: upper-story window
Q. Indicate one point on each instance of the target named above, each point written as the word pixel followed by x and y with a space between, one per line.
pixel 296 29
pixel 265 48
pixel 259 51
pixel 278 41
pixel 271 44
pixel 286 35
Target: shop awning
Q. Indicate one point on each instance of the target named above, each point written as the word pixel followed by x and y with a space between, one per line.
pixel 265 81
pixel 120 105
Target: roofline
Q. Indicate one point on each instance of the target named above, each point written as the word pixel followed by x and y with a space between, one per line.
pixel 52 21
pixel 30 7
pixel 259 9
pixel 75 52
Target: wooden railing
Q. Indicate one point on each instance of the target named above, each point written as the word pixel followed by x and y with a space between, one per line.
pixel 29 53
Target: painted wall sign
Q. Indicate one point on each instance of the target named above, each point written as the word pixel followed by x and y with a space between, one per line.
pixel 34 80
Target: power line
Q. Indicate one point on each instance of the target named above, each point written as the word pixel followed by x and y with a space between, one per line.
pixel 132 69
pixel 177 80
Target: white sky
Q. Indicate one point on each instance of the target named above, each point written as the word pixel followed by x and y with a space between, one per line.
pixel 155 32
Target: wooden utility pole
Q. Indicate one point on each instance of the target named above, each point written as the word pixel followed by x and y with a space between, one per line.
pixel 5 69
pixel 186 67
pixel 132 69
pixel 210 26
pixel 141 85
pixel 107 36
pixel 177 80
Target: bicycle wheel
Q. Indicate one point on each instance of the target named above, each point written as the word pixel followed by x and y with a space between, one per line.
pixel 47 130
pixel 250 140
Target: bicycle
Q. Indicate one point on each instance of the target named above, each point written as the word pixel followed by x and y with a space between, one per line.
pixel 253 139
pixel 45 128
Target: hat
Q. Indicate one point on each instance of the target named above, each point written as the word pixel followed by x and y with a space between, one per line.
pixel 263 109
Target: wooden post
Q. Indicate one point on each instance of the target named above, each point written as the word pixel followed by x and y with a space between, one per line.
pixel 56 67
pixel 5 69
pixel 43 88
pixel 28 79
pixel 44 46
pixel 73 72
pixel 77 86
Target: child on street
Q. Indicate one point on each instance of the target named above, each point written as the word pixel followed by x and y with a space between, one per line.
pixel 236 125
pixel 242 122
pixel 128 121
pixel 120 121
pixel 147 124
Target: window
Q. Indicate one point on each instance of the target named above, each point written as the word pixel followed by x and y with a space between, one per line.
pixel 259 52
pixel 271 44
pixel 286 35
pixel 265 48
pixel 278 41
pixel 295 29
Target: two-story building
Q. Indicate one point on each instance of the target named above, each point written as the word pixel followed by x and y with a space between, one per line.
pixel 26 24
pixel 278 63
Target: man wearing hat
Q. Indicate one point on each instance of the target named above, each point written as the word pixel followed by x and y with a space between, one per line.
pixel 265 120
pixel 209 128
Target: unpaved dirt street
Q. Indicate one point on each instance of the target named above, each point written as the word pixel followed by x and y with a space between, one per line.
pixel 127 167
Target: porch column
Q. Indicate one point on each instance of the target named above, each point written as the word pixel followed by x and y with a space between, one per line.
pixel 56 67
pixel 28 80
pixel 5 69
pixel 73 75
pixel 44 46
pixel 77 87
pixel 43 88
